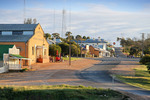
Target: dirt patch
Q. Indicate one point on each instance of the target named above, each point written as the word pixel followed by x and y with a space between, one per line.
pixel 47 73
pixel 125 68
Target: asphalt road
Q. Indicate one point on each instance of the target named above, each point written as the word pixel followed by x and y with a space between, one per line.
pixel 99 73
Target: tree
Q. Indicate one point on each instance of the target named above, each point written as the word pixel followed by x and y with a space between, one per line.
pixel 30 21
pixel 68 34
pixel 75 49
pixel 134 51
pixel 78 37
pixel 118 38
pixel 47 35
pixel 34 21
pixel 88 37
pixel 71 37
pixel 65 48
pixel 84 37
pixel 53 48
pixel 56 35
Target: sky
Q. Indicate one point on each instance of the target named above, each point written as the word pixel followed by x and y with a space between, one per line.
pixel 107 19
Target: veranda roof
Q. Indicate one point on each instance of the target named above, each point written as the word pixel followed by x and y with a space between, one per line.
pixel 15 56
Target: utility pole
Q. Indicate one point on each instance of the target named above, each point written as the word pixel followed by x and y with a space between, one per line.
pixel 69 49
pixel 69 37
pixel 142 44
pixel 81 47
pixel 69 52
pixel 77 48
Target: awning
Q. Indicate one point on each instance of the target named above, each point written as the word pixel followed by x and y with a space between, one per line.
pixel 109 48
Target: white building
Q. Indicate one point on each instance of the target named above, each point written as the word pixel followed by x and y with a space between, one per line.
pixel 99 44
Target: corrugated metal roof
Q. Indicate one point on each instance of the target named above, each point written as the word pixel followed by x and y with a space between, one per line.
pixel 58 41
pixel 92 41
pixel 14 38
pixel 13 27
pixel 4 49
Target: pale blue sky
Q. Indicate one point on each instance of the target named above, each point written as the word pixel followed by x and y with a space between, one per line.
pixel 94 18
pixel 119 5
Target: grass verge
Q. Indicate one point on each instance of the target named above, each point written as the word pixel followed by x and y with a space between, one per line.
pixel 59 92
pixel 72 58
pixel 141 78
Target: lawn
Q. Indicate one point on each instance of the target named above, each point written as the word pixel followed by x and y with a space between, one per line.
pixel 72 58
pixel 141 78
pixel 58 92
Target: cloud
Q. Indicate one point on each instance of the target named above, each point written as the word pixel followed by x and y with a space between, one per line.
pixel 96 20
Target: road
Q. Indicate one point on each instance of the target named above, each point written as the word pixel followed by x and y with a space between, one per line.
pixel 99 73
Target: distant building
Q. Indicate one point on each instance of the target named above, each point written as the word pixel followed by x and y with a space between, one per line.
pixel 54 41
pixel 94 45
pixel 28 38
pixel 94 52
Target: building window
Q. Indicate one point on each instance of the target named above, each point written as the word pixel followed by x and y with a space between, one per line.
pixel 0 32
pixel 32 50
pixel 17 32
pixel 44 51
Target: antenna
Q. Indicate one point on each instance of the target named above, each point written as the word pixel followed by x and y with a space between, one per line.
pixel 70 16
pixel 63 22
pixel 24 15
pixel 64 19
pixel 54 22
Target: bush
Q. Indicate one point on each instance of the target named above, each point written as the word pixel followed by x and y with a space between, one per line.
pixel 53 49
pixel 148 68
pixel 145 59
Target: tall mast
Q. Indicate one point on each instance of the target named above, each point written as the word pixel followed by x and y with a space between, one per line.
pixel 64 19
pixel 63 22
pixel 54 22
pixel 24 13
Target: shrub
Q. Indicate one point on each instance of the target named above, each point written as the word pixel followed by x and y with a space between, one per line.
pixel 53 49
pixel 145 59
pixel 148 68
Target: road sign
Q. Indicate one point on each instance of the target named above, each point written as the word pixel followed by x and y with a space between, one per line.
pixel 114 43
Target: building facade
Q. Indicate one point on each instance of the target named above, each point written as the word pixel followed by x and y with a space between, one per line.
pixel 28 38
pixel 96 45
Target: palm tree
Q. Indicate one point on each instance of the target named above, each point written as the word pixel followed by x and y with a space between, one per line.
pixel 56 35
pixel 68 34
pixel 69 38
pixel 47 35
